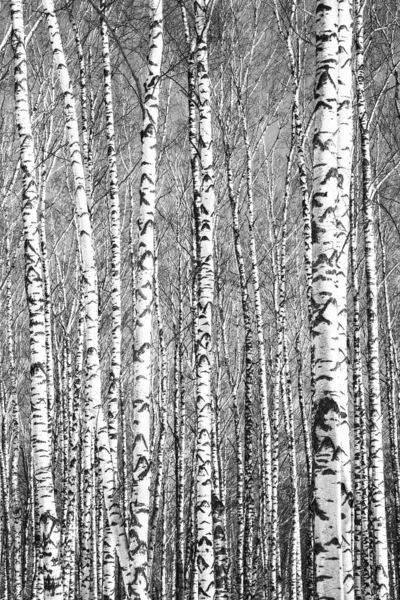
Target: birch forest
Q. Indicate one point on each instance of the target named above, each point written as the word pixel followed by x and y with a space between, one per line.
pixel 199 300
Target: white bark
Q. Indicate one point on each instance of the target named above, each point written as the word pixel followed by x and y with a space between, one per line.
pixel 140 500
pixel 48 519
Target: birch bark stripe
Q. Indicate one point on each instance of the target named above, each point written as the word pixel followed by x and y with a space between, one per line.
pixel 49 523
pixel 205 548
pixel 326 434
pixel 92 381
pixel 377 482
pixel 344 163
pixel 115 370
pixel 140 501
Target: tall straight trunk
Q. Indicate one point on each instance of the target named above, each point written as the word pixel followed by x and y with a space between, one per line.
pixel 295 64
pixel 115 370
pixel 85 130
pixel 92 380
pixel 66 393
pixel 163 576
pixel 87 566
pixel 205 546
pixel 159 482
pixel 274 559
pixel 218 500
pixel 141 474
pixel 44 173
pixel 113 193
pixel 15 444
pixel 5 547
pixel 286 391
pixel 240 508
pixel 377 482
pixel 266 449
pixel 38 587
pixel 41 447
pixel 179 433
pixel 344 166
pixel 392 406
pixel 70 540
pixel 326 427
pixel 248 393
pixel 362 574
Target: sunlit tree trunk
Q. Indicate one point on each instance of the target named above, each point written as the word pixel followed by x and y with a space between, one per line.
pixel 140 500
pixel 327 424
pixel 115 370
pixel 344 166
pixel 205 546
pixel 41 447
pixel 85 130
pixel 15 442
pixel 95 415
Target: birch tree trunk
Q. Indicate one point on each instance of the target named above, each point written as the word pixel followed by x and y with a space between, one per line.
pixel 115 370
pixel 344 165
pixel 377 482
pixel 14 491
pixel 392 405
pixel 140 501
pixel 205 545
pixel 327 424
pixel 49 522
pixel 362 582
pixel 248 442
pixel 92 381
pixel 180 420
pixel 159 482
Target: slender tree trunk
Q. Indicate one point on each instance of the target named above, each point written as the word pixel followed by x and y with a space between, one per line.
pixel 392 406
pixel 344 166
pixel 93 383
pixel 41 447
pixel 159 482
pixel 85 129
pixel 5 547
pixel 248 441
pixel 218 500
pixel 179 435
pixel 205 546
pixel 115 370
pixel 15 444
pixel 377 482
pixel 140 501
pixel 258 314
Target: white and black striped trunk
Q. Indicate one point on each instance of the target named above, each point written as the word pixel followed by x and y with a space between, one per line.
pixel 205 545
pixel 377 483
pixel 140 500
pixel 327 420
pixel 41 446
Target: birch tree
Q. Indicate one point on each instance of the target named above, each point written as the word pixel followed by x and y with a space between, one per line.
pixel 377 483
pixel 140 501
pixel 205 546
pixel 326 429
pixel 41 445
